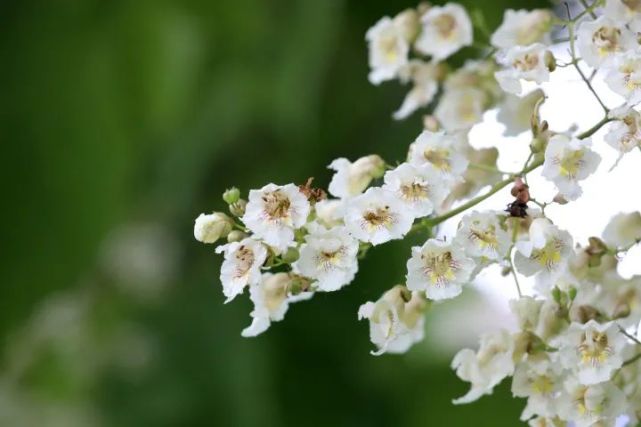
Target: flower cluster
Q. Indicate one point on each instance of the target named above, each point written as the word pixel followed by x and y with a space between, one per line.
pixel 575 355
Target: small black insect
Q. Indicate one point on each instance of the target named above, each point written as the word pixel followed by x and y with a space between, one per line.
pixel 517 209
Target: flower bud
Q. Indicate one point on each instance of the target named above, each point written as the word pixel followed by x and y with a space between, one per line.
pixel 290 255
pixel 560 200
pixel 585 313
pixel 550 62
pixel 621 311
pixel 231 195
pixel 209 228
pixel 431 123
pixel 236 236
pixel 238 208
pixel 537 145
pixel 408 23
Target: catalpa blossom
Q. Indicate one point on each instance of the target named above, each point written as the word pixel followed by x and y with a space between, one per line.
pixel 482 236
pixel 591 405
pixel 418 188
pixel 625 132
pixel 623 230
pixel 423 76
pixel 439 151
pixel 523 28
pixel 330 212
pixel 395 320
pixel 592 350
pixel 568 161
pixel 351 179
pixel 377 216
pixel 439 269
pixel 545 252
pixel 601 39
pixel 624 76
pixel 271 300
pixel 461 109
pixel 540 380
pixel 241 266
pixel 486 368
pixel 445 30
pixel 329 257
pixel 388 49
pixel 274 212
pixel 624 11
pixel 530 63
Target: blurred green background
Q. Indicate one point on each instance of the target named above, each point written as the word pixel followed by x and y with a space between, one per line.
pixel 121 121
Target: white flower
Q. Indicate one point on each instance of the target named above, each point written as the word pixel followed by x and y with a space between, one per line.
pixel 330 212
pixel 623 230
pixel 329 257
pixel 486 368
pixel 538 379
pixel 351 179
pixel 591 406
pixel 527 63
pixel 461 108
pixel 602 38
pixel 388 50
pixel 624 11
pixel 482 236
pixel 568 161
pixel 241 266
pixel 625 132
pixel 274 212
pixel 377 217
pixel 209 228
pixel 438 268
pixel 395 321
pixel 271 301
pixel 515 112
pixel 445 30
pixel 545 252
pixel 423 76
pixel 440 151
pixel 592 350
pixel 624 76
pixel 418 188
pixel 522 28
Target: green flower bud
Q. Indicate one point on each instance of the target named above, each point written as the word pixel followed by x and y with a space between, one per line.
pixel 236 236
pixel 290 256
pixel 231 195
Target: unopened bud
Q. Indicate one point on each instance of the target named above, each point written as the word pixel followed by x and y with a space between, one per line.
pixel 290 255
pixel 431 123
pixel 238 208
pixel 209 228
pixel 556 295
pixel 621 310
pixel 236 236
pixel 585 313
pixel 560 199
pixel 572 293
pixel 408 23
pixel 231 195
pixel 537 145
pixel 550 62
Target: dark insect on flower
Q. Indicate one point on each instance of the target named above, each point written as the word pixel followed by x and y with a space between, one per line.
pixel 517 209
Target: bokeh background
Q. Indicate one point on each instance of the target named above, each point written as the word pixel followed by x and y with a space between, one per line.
pixel 121 121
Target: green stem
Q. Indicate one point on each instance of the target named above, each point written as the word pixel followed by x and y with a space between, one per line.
pixel 588 133
pixel 632 360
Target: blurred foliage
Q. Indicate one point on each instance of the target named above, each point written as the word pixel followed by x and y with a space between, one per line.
pixel 139 113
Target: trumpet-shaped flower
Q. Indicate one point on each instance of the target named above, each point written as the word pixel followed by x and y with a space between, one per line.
pixel 377 216
pixel 481 236
pixel 592 350
pixel 515 112
pixel 623 230
pixel 329 257
pixel 438 268
pixel 523 28
pixel 418 188
pixel 461 109
pixel 271 300
pixel 624 11
pixel 423 76
pixel 529 63
pixel 625 132
pixel 601 39
pixel 388 49
pixel 274 212
pixel 439 151
pixel 568 161
pixel 545 252
pixel 351 179
pixel 624 76
pixel 241 266
pixel 446 29
pixel 395 320
pixel 487 367
pixel 591 405
pixel 540 380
